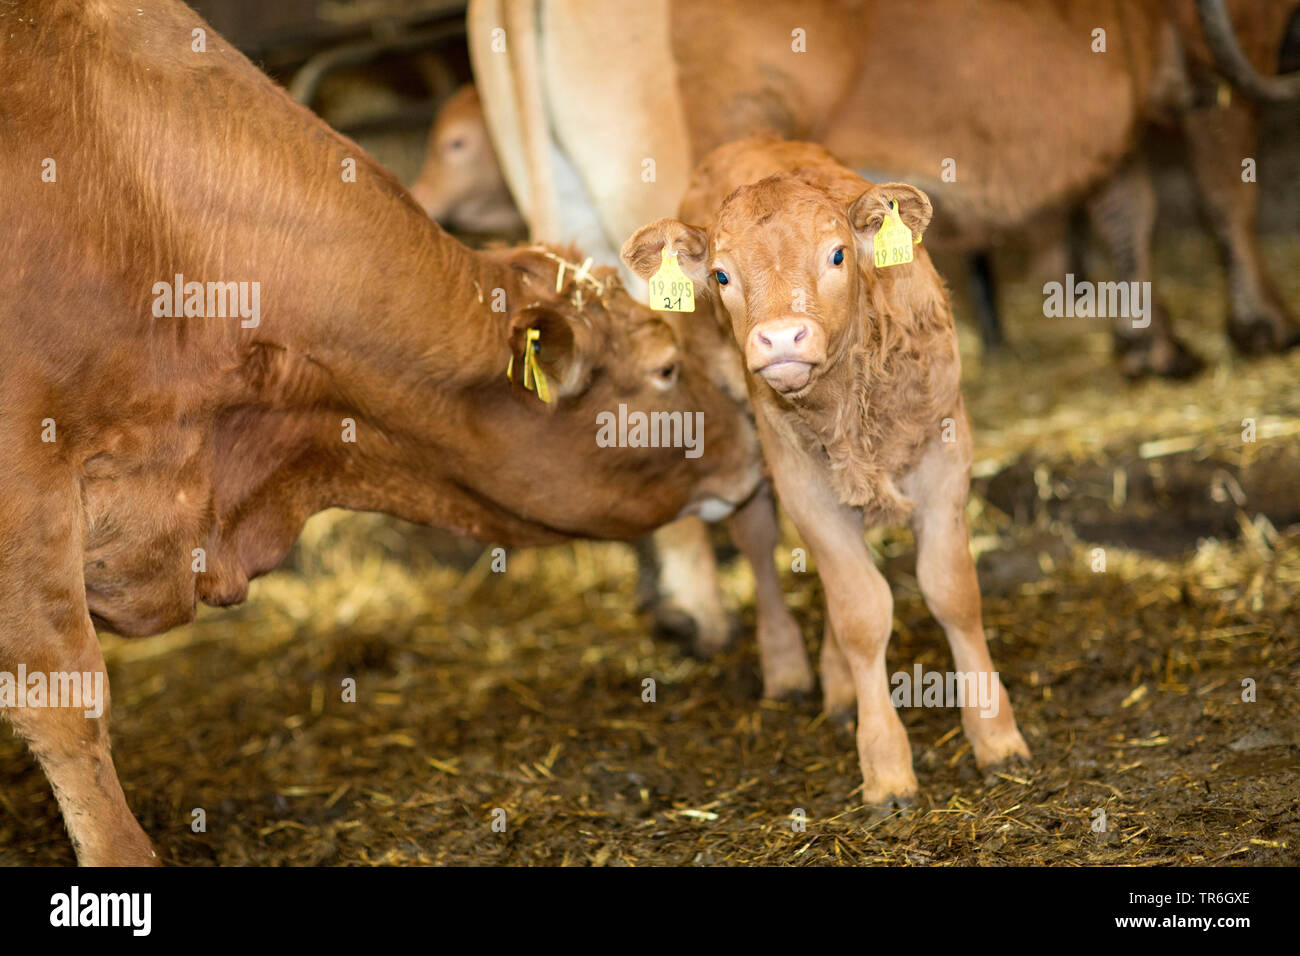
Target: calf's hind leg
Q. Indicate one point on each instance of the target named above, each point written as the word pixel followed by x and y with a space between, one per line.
pixel 781 650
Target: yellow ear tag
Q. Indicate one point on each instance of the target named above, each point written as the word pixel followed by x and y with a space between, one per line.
pixel 534 377
pixel 893 243
pixel 670 290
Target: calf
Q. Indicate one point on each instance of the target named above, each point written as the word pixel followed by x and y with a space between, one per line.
pixel 461 184
pixel 854 378
pixel 218 316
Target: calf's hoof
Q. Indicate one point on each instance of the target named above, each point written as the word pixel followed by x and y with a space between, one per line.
pixel 1011 757
pixel 1160 355
pixel 789 681
pixel 1261 335
pixel 882 807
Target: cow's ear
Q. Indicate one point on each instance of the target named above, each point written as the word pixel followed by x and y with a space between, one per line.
pixel 560 345
pixel 869 210
pixel 643 253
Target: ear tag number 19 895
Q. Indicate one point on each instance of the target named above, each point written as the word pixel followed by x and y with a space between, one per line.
pixel 670 290
pixel 892 245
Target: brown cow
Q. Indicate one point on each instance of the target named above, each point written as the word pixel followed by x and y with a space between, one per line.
pixel 218 316
pixel 461 184
pixel 855 382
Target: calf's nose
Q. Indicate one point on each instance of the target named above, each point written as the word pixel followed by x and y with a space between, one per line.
pixel 784 340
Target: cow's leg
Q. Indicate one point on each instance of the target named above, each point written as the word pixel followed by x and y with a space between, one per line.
pixel 984 300
pixel 839 696
pixel 46 628
pixel 1123 214
pixel 1219 139
pixel 782 655
pixel 861 611
pixel 946 574
pixel 688 604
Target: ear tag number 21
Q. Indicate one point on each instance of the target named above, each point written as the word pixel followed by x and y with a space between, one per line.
pixel 670 289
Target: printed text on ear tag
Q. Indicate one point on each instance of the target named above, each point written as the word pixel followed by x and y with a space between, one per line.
pixel 893 243
pixel 670 290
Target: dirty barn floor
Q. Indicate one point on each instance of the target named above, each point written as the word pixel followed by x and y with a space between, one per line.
pixel 522 690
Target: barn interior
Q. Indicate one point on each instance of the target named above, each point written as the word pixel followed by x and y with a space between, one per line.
pixel 1138 549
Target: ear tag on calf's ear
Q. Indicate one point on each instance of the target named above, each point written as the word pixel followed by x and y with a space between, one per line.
pixel 670 290
pixel 534 377
pixel 893 243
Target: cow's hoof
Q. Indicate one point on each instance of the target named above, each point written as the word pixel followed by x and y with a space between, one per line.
pixel 673 624
pixel 1258 335
pixel 1160 356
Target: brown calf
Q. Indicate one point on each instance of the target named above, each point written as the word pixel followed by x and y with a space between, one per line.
pixel 855 382
pixel 162 447
pixel 461 185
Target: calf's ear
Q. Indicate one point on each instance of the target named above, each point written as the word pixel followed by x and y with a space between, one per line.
pixel 644 251
pixel 869 210
pixel 560 345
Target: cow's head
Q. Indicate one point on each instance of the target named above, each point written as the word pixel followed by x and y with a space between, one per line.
pixel 461 185
pixel 786 262
pixel 646 418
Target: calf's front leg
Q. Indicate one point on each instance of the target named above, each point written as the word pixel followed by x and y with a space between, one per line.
pixel 945 572
pixel 860 609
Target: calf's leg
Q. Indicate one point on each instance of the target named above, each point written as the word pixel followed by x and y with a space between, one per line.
pixel 861 612
pixel 782 655
pixel 839 696
pixel 946 574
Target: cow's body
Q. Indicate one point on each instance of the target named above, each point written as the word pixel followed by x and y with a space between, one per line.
pixel 149 461
pixel 1011 99
pixel 855 382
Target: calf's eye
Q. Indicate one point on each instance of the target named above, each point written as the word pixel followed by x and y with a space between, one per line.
pixel 722 277
pixel 837 257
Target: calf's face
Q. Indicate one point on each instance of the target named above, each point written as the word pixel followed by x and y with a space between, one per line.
pixel 786 261
pixel 461 185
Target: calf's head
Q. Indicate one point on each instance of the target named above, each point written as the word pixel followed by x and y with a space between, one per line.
pixel 787 261
pixel 461 185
